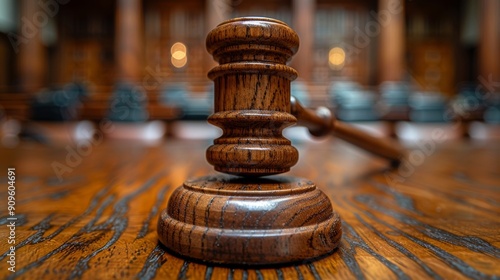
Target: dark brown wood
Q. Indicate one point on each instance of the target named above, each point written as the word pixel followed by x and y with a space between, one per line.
pixel 252 96
pixel 322 122
pixel 303 23
pixel 439 221
pixel 251 220
pixel 29 48
pixel 254 221
pixel 15 105
pixel 215 13
pixel 489 45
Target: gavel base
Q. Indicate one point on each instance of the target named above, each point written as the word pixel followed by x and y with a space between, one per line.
pixel 249 221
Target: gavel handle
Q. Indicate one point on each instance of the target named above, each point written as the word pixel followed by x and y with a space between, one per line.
pixel 322 122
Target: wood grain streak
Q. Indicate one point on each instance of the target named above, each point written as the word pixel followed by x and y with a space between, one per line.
pixel 439 223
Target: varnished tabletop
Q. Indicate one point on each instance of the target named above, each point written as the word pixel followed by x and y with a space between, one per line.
pixel 438 217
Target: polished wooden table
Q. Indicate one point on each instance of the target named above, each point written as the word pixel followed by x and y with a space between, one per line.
pixel 437 217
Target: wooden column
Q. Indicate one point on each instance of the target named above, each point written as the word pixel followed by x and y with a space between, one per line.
pixel 392 40
pixel 128 40
pixel 303 23
pixel 489 45
pixel 32 60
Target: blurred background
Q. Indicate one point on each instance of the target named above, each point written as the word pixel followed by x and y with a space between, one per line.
pixel 69 68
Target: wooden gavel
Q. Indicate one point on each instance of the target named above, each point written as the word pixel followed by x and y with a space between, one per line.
pixel 253 103
pixel 322 122
pixel 245 219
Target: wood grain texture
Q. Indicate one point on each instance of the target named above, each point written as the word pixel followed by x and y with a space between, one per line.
pixel 99 222
pixel 249 221
pixel 252 96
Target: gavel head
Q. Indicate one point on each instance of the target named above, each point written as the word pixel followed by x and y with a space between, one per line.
pixel 252 96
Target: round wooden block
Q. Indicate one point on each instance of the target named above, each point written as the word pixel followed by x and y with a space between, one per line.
pixel 234 220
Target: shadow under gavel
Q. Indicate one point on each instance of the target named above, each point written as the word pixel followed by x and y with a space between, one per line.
pixel 322 122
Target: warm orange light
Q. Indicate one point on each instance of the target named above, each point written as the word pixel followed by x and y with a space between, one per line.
pixel 179 55
pixel 336 58
pixel 179 63
pixel 178 47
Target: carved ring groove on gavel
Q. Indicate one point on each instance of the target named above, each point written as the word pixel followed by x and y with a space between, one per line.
pixel 247 219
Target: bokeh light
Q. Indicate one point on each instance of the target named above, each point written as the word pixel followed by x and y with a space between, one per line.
pixel 179 55
pixel 336 58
